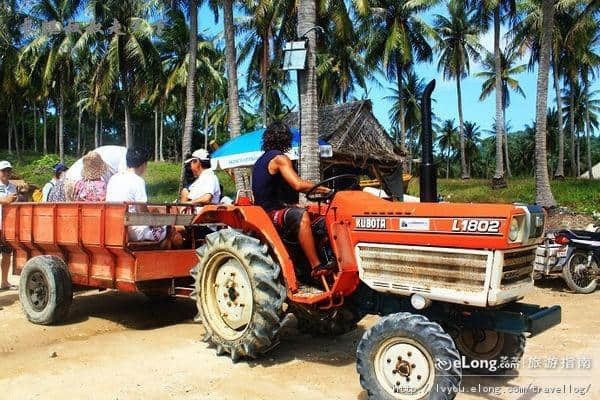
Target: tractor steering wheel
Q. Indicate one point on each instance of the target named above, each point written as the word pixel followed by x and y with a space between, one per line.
pixel 312 194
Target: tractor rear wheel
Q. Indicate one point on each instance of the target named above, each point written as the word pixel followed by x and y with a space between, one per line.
pixel 45 290
pixel 406 356
pixel 329 323
pixel 490 352
pixel 239 294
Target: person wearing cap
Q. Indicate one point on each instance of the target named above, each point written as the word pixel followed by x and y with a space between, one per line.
pixel 8 195
pixel 205 189
pixel 56 184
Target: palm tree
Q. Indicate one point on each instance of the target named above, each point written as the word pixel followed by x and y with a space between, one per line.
pixel 307 85
pixel 232 83
pixel 263 20
pixel 543 192
pixel 448 141
pixel 190 93
pixel 589 61
pixel 582 101
pixel 526 35
pixel 496 11
pixel 10 37
pixel 457 43
pixel 53 49
pixel 472 140
pixel 413 87
pixel 130 56
pixel 395 38
pixel 508 70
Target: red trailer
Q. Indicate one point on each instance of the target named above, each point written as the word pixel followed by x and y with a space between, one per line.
pixel 62 247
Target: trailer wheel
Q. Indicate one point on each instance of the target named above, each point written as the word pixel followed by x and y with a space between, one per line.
pixel 581 277
pixel 408 357
pixel 45 290
pixel 239 294
pixel 490 352
pixel 330 323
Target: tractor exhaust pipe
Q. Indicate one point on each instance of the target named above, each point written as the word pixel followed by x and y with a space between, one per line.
pixel 428 180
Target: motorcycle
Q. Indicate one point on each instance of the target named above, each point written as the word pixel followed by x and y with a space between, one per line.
pixel 573 255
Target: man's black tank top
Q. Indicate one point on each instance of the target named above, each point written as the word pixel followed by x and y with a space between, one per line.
pixel 271 192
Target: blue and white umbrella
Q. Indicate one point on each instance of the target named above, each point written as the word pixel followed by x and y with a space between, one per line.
pixel 244 150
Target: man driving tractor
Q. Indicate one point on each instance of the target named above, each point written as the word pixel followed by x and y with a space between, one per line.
pixel 276 185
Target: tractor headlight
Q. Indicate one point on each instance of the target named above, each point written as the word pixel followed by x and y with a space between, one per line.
pixel 513 233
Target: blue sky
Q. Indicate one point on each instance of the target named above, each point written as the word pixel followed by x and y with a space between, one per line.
pixel 520 112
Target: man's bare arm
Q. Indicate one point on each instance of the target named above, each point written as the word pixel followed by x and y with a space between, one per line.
pixel 204 199
pixel 8 199
pixel 284 165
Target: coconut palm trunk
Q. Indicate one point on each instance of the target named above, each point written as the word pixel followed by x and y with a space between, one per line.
pixel 265 80
pixel 206 128
pixel 96 139
pixel 505 141
pixel 162 126
pixel 461 131
pixel 128 132
pixel 574 162
pixel 190 93
pixel 155 133
pixel 560 168
pixel 35 126
pixel 45 127
pixel 499 174
pixel 309 112
pixel 588 129
pixel 61 132
pixel 10 125
pixel 401 105
pixel 79 116
pixel 543 192
pixel 235 126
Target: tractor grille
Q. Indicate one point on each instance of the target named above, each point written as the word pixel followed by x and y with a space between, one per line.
pixel 518 267
pixel 420 270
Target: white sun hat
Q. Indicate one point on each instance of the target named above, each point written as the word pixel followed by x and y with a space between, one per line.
pixel 200 154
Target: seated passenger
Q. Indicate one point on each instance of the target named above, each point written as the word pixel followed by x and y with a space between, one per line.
pixel 54 191
pixel 275 185
pixel 205 189
pixel 113 156
pixel 91 187
pixel 129 186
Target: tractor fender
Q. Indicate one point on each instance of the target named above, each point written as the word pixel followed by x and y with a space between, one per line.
pixel 255 220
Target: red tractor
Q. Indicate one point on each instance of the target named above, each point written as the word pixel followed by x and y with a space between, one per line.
pixel 446 279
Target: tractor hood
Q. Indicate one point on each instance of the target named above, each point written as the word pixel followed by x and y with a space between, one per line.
pixel 464 225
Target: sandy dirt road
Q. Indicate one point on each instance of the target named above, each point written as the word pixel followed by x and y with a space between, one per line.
pixel 121 346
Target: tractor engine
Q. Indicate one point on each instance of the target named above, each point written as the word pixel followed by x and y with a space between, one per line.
pixel 478 254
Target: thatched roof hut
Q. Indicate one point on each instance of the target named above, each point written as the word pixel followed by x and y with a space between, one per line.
pixel 355 135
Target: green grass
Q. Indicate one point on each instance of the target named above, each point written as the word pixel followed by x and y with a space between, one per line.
pixel 162 178
pixel 579 195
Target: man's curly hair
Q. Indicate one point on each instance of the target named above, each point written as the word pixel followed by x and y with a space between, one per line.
pixel 277 137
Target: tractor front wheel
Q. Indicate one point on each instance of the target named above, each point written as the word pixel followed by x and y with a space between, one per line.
pixel 406 356
pixel 240 297
pixel 490 352
pixel 45 290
